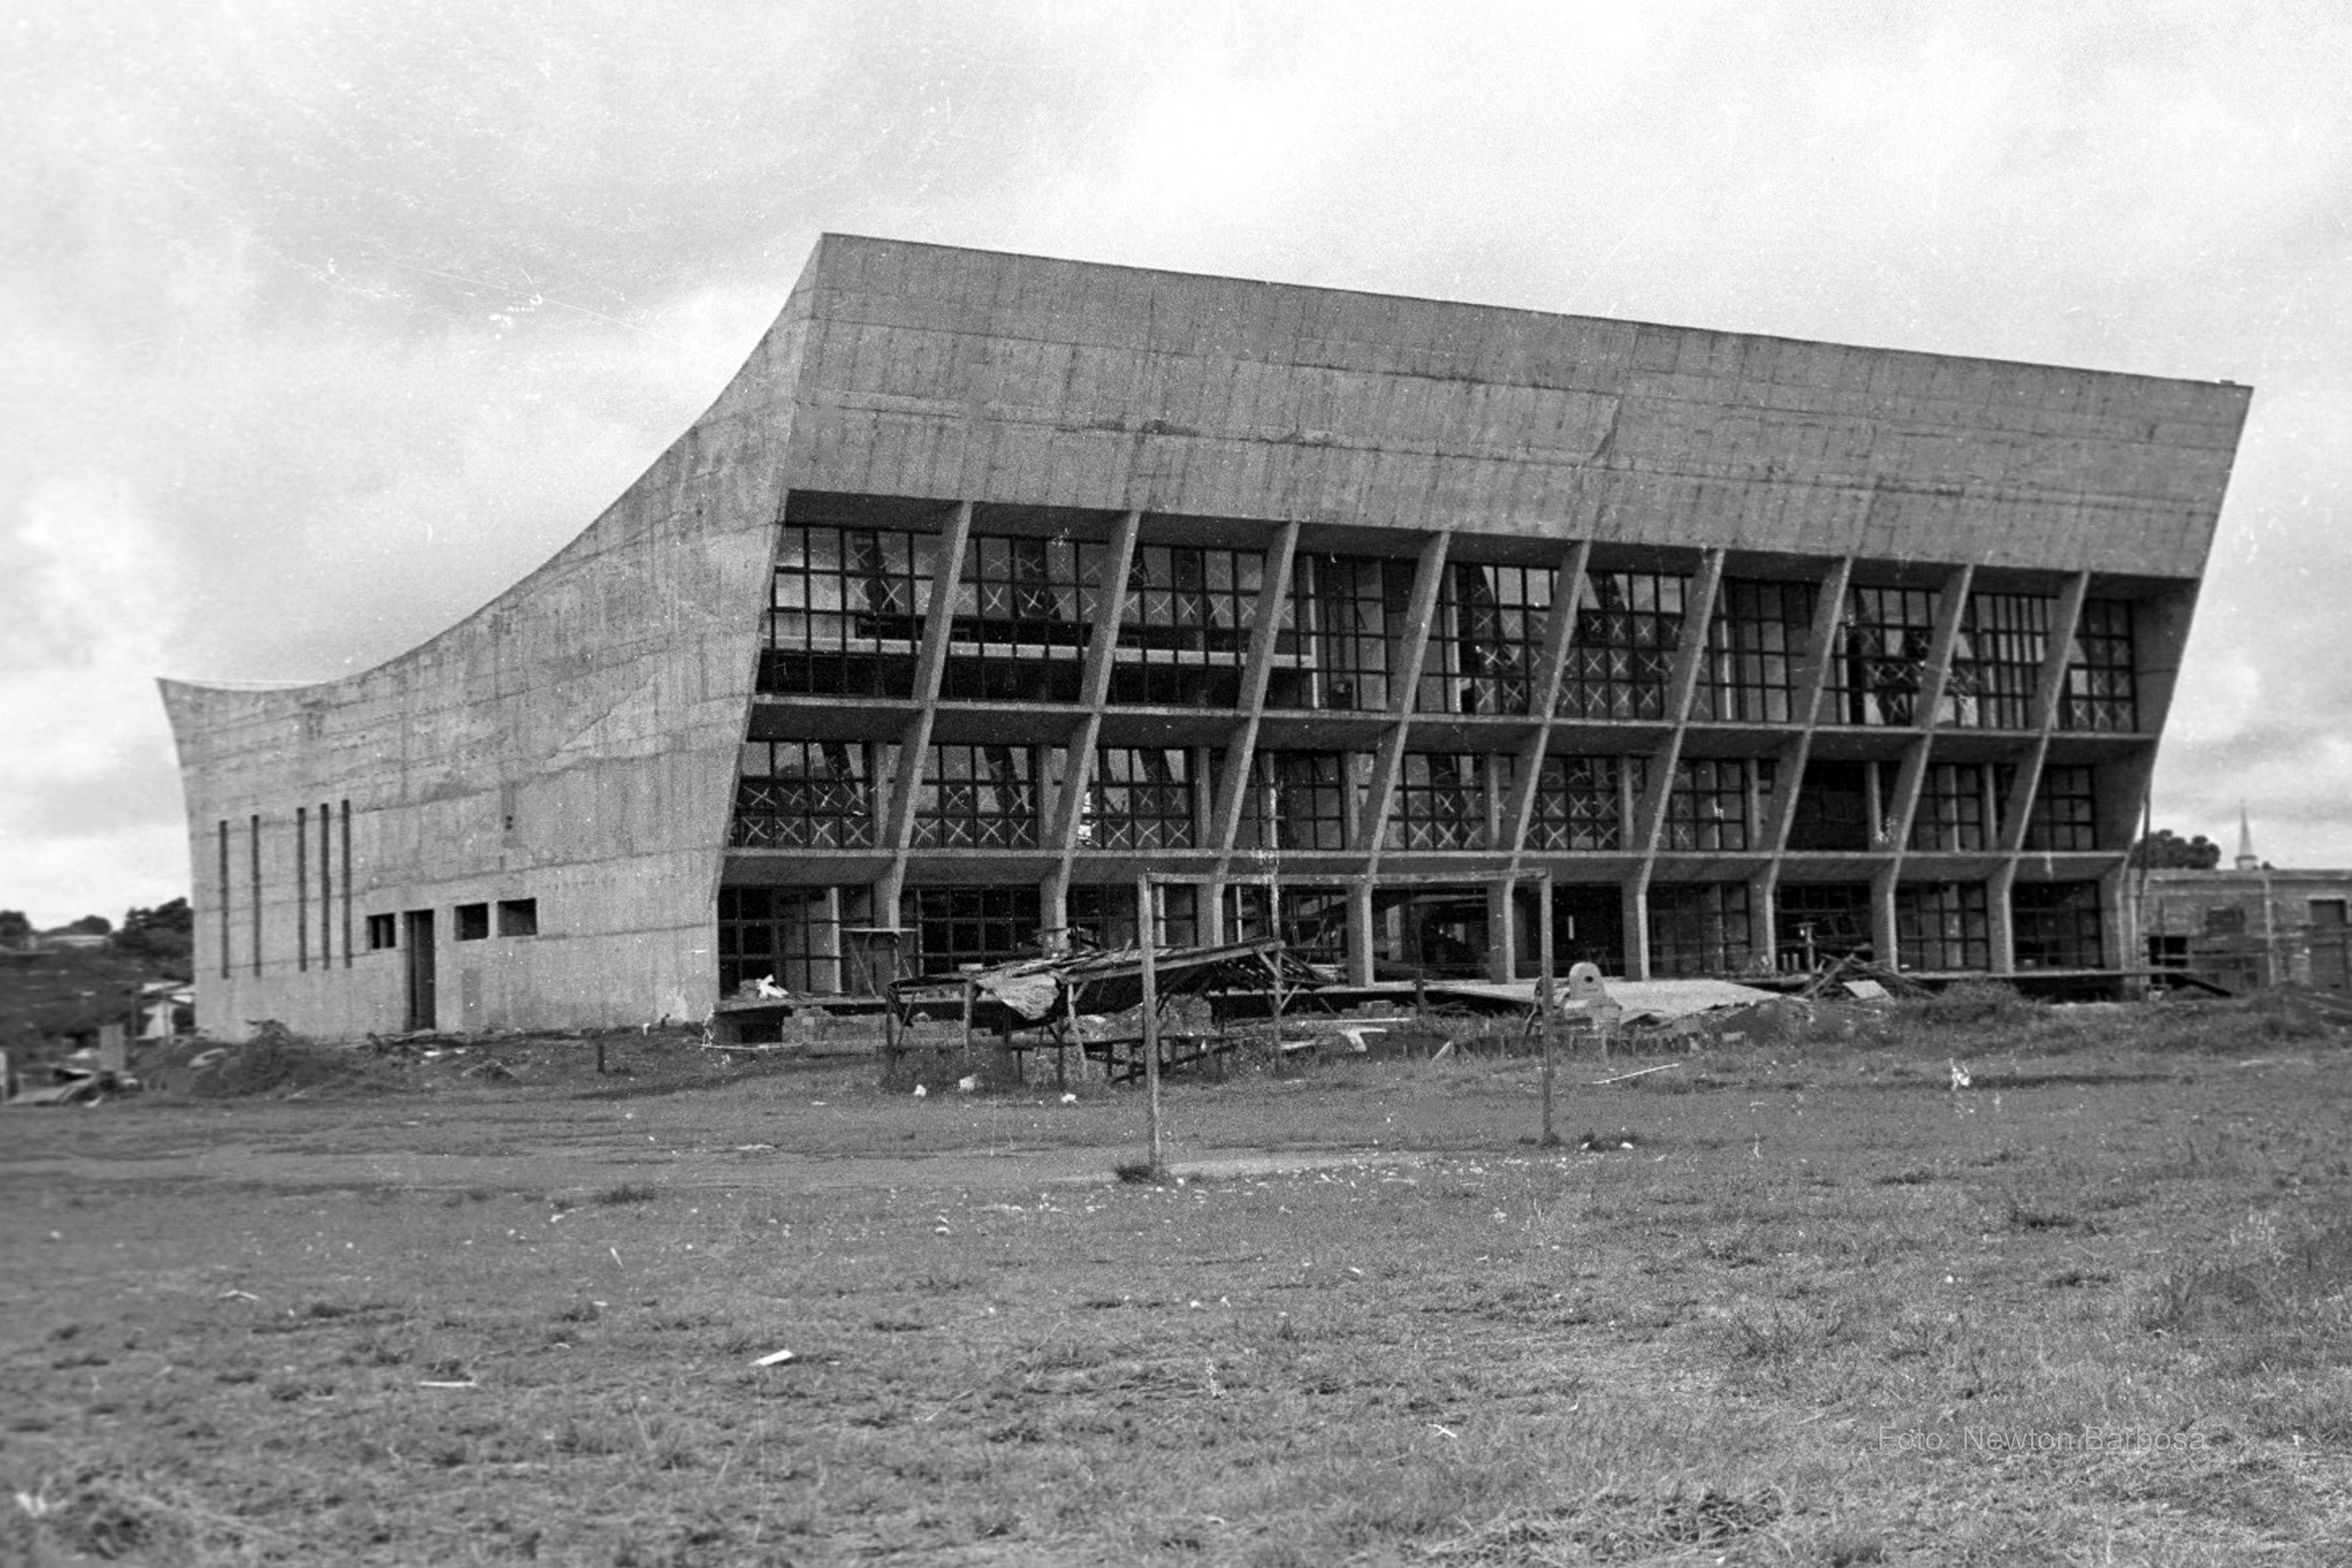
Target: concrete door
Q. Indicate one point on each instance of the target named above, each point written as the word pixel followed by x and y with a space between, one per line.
pixel 424 1003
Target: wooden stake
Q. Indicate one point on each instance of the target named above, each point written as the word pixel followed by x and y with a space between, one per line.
pixel 1548 1002
pixel 1147 936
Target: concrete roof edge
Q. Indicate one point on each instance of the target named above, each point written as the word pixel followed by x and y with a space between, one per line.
pixel 819 256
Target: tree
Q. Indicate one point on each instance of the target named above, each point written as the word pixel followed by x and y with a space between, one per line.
pixel 166 932
pixel 89 925
pixel 2165 850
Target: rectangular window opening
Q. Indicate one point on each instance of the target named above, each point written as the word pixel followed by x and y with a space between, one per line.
pixel 473 922
pixel 518 917
pixel 383 932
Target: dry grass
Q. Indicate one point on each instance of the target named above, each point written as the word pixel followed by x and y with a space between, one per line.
pixel 1828 1309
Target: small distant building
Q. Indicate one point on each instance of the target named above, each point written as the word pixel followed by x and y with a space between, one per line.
pixel 2250 925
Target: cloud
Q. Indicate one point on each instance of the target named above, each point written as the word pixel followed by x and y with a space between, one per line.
pixel 329 323
pixel 88 806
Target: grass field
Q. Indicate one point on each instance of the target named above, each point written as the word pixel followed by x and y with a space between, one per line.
pixel 1828 1308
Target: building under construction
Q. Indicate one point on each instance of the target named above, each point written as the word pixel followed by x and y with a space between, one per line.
pixel 990 581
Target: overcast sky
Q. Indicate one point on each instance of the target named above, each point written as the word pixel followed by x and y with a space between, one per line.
pixel 326 319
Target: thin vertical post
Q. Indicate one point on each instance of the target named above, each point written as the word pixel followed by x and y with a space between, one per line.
pixel 1546 1000
pixel 1147 942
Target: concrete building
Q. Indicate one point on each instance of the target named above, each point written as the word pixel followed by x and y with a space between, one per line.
pixel 991 580
pixel 2250 925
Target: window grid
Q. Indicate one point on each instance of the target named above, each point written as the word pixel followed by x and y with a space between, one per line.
pixel 1141 798
pixel 1345 611
pixel 1718 803
pixel 956 926
pixel 1443 801
pixel 2057 925
pixel 1882 645
pixel 977 797
pixel 845 611
pixel 1837 913
pixel 788 935
pixel 1483 655
pixel 1579 804
pixel 1700 928
pixel 1997 660
pixel 1755 650
pixel 1105 915
pixel 1943 925
pixel 2102 689
pixel 1624 653
pixel 1019 630
pixel 1184 626
pixel 1314 921
pixel 1305 795
pixel 1956 814
pixel 803 794
pixel 2065 815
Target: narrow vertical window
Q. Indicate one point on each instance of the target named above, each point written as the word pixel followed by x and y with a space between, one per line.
pixel 326 887
pixel 252 872
pixel 225 898
pixel 347 884
pixel 303 887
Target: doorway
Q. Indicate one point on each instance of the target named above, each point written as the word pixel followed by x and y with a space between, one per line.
pixel 424 1011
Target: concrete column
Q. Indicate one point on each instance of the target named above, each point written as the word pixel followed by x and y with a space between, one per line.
pixel 1360 935
pixel 1502 931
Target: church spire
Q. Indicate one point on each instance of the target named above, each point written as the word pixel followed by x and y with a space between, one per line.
pixel 2247 859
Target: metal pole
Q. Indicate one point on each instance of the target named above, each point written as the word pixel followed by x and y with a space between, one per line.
pixel 1546 1000
pixel 1147 938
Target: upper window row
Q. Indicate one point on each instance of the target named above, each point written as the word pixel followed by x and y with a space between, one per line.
pixel 846 618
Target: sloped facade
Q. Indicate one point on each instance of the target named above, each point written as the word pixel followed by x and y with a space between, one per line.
pixel 991 580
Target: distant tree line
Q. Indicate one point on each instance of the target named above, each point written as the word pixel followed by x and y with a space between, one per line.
pixel 164 934
pixel 2165 850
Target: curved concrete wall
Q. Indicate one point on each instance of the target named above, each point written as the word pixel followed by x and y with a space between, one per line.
pixel 572 742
